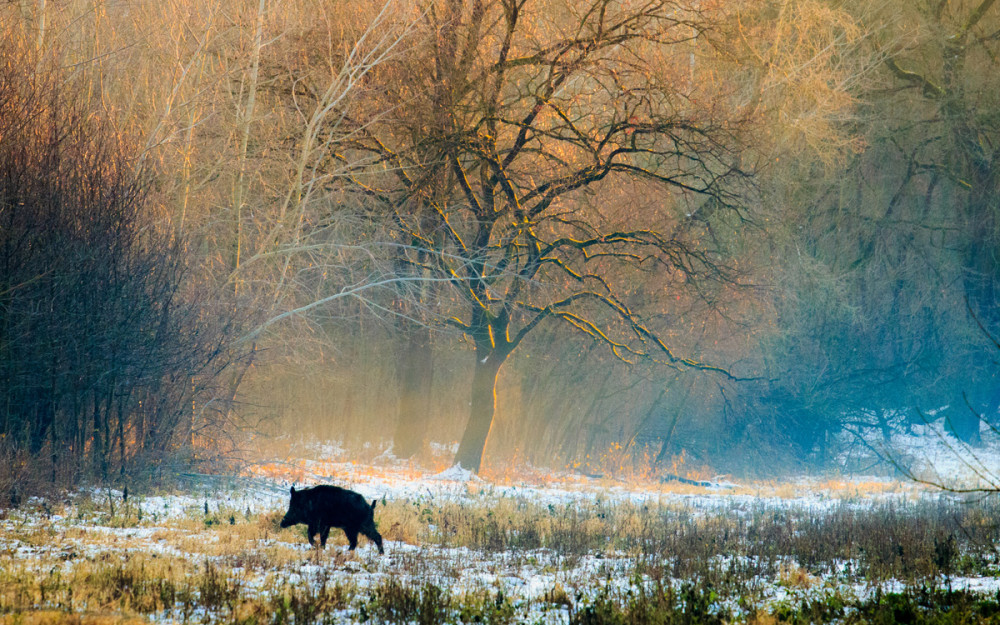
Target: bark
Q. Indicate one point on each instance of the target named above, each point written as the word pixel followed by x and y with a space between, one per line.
pixel 481 411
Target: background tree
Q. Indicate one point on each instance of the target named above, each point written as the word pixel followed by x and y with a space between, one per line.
pixel 945 80
pixel 873 320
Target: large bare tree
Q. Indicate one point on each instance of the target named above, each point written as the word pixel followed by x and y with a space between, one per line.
pixel 492 150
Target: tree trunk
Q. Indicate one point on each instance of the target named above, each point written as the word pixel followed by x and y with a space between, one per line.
pixel 963 422
pixel 415 375
pixel 992 406
pixel 97 445
pixel 981 271
pixel 481 411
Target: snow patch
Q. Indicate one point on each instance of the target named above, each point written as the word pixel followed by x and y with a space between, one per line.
pixel 928 451
pixel 457 474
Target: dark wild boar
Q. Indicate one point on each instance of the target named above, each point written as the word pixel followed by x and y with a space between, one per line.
pixel 323 507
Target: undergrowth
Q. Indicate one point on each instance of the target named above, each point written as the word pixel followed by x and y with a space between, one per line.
pixel 602 562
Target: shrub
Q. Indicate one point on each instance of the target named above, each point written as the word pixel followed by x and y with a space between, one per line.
pixel 106 351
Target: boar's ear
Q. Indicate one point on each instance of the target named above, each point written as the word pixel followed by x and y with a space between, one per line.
pixel 374 501
pixel 293 491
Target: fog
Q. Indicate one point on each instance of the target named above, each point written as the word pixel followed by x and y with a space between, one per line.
pixel 729 240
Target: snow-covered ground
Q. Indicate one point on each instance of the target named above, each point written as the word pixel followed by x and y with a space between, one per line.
pixel 926 451
pixel 231 523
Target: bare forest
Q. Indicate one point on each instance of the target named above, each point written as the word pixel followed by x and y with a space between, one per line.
pixel 710 234
pixel 572 312
pixel 692 236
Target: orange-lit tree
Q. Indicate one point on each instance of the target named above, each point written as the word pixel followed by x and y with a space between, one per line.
pixel 504 117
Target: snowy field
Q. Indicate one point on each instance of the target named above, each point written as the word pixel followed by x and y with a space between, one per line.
pixel 534 546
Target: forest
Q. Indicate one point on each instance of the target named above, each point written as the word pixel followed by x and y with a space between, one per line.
pixel 710 235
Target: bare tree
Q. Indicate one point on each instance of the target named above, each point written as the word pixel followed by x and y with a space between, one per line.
pixel 944 131
pixel 512 113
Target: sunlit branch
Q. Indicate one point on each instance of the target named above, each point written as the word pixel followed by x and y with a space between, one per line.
pixel 347 291
pixel 463 181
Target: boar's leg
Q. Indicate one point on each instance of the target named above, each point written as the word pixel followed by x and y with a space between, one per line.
pixel 352 536
pixel 311 531
pixel 368 529
pixel 324 533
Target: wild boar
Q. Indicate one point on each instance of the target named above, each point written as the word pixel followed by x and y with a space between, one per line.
pixel 323 507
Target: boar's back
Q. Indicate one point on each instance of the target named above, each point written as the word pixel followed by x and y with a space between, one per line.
pixel 337 505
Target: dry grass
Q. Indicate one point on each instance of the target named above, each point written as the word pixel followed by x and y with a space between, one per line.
pixel 791 575
pixel 642 476
pixel 54 617
pixel 95 565
pixel 835 489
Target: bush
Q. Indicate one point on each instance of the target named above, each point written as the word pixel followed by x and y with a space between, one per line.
pixel 105 352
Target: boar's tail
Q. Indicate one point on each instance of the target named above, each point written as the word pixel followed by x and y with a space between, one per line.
pixel 374 501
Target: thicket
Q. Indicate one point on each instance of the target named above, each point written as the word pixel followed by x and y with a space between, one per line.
pixel 108 353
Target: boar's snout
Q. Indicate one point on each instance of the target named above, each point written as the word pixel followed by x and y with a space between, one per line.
pixel 294 514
